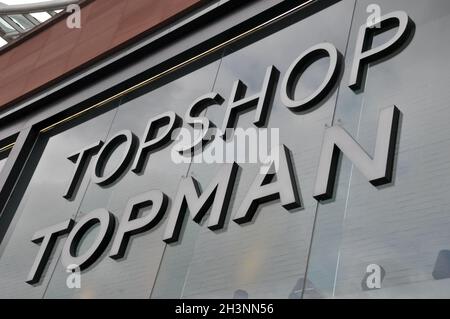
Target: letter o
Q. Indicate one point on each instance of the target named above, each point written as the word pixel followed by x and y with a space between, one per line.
pixel 107 223
pixel 299 66
pixel 108 148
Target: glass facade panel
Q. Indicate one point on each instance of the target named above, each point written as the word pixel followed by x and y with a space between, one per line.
pixel 267 257
pixel 321 250
pixel 43 205
pixel 403 228
pixel 2 163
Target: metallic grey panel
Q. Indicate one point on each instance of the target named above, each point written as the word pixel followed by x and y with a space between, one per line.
pixel 2 163
pixel 133 276
pixel 266 258
pixel 404 227
pixel 43 205
pixel 269 251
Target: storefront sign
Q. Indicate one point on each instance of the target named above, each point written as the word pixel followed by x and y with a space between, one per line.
pixel 277 181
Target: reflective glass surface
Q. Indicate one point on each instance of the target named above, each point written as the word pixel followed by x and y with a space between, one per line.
pixel 403 227
pixel 321 250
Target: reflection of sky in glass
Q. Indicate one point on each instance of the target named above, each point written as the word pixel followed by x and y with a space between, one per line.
pixel 267 257
pixel 13 29
pixel 393 227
